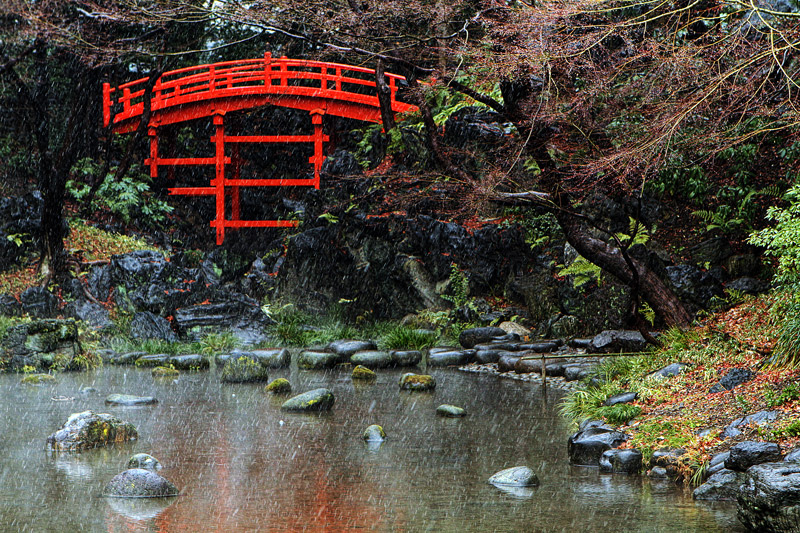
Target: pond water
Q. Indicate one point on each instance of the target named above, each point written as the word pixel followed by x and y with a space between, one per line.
pixel 244 465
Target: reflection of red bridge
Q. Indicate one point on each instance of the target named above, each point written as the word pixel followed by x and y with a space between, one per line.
pixel 214 90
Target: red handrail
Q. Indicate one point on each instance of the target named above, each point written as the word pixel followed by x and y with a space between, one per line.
pixel 266 76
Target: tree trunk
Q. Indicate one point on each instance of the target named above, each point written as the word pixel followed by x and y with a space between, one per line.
pixel 612 260
pixel 384 98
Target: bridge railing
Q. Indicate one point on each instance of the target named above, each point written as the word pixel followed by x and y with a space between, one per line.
pixel 250 76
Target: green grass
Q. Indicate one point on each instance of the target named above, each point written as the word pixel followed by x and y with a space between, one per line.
pixel 403 338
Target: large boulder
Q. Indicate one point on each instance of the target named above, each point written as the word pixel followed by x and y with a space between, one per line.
pixel 39 302
pixel 147 325
pixel 88 430
pixel 722 485
pixel 769 498
pixel 314 400
pixel 139 483
pixel 372 359
pixel 694 285
pixel 273 357
pixel 587 445
pixel 317 360
pixel 468 338
pixel 621 461
pixel 345 348
pixel 94 315
pixel 40 344
pixel 745 454
pixel 615 341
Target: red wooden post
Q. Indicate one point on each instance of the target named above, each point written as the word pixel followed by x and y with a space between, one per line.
pixel 267 68
pixel 318 157
pixel 219 178
pixel 106 104
pixel 153 160
pixel 236 161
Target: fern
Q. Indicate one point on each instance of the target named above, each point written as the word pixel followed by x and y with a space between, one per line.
pixel 582 271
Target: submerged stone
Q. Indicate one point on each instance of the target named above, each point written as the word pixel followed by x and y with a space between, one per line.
pixel 279 386
pixel 88 430
pixel 315 400
pixel 164 372
pixel 517 476
pixel 363 373
pixel 129 400
pixel 374 433
pixel 450 411
pixel 617 461
pixel 37 379
pixel 139 483
pixel 143 460
pixel 417 382
pixel 153 360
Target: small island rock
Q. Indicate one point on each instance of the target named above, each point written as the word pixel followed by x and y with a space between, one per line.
pixel 417 382
pixel 88 430
pixel 144 460
pixel 139 483
pixel 315 400
pixel 279 386
pixel 129 400
pixel 374 433
pixel 450 411
pixel 517 476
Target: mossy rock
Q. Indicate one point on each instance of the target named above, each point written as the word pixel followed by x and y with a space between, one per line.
pixel 315 400
pixel 139 483
pixel 417 382
pixel 244 369
pixel 38 379
pixel 88 430
pixel 164 372
pixel 273 357
pixel 161 359
pixel 450 411
pixel 363 373
pixel 372 359
pixel 279 386
pixel 374 433
pixel 189 362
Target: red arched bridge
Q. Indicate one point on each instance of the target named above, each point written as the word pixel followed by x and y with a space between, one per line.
pixel 211 91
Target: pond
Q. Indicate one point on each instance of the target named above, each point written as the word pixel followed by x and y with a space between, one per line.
pixel 242 464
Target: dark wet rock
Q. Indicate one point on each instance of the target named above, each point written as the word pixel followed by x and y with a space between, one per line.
pixel 139 483
pixel 760 418
pixel 138 268
pixel 164 372
pixel 669 371
pixel 540 347
pixel 517 476
pixel 472 336
pixel 315 400
pixel 581 344
pixel 694 285
pixel 39 302
pixel 341 163
pixel 615 341
pixel 417 382
pixel 9 306
pixel 244 368
pixel 745 454
pixel 345 348
pixel 500 345
pixel 315 360
pixel 714 251
pixel 146 325
pixel 621 461
pixel 143 460
pixel 769 498
pixel 450 411
pixel 87 430
pixel 624 397
pixel 577 371
pixel 748 285
pixel 440 349
pixel 489 356
pixel 717 462
pixel 372 359
pixel 127 358
pixel 189 362
pixel 374 433
pixel 37 379
pixel 587 445
pixel 722 485
pixel 456 358
pixel 99 282
pixel 734 378
pixel 658 472
pixel 273 357
pixel 39 343
pixel 742 265
pixel 507 362
pixel 525 365
pixel 363 373
pixel 236 313
pixel 94 315
pixel 129 400
pixel 405 357
pixel 159 359
pixel 279 386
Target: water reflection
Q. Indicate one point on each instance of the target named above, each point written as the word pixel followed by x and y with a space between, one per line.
pixel 241 463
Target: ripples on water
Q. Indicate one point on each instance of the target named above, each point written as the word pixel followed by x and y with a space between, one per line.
pixel 242 464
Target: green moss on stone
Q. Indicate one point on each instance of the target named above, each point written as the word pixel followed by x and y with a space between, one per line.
pixel 363 373
pixel 164 371
pixel 38 379
pixel 279 386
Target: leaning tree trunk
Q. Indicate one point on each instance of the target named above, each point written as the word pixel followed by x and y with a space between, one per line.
pixel 613 260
